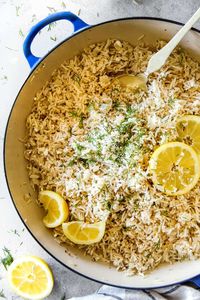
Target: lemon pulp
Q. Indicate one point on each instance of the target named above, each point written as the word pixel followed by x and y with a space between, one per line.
pixel 175 168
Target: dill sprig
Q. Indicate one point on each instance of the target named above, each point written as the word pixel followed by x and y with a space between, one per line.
pixel 51 25
pixel 15 232
pixel 17 10
pixel 7 259
pixel 171 101
pixel 21 33
pixel 33 18
pixel 53 38
pixel 4 77
pixel 63 4
pixel 51 9
pixel 76 78
pixel 2 294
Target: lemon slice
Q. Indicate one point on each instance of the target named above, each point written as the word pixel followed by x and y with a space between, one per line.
pixel 56 207
pixel 30 277
pixel 188 129
pixel 82 233
pixel 175 168
pixel 131 81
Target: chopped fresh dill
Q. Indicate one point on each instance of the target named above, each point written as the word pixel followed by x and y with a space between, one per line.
pixel 136 205
pixel 53 38
pixel 4 77
pixel 90 139
pixel 116 104
pixel 81 120
pixel 51 25
pixel 51 9
pixel 131 110
pixel 73 113
pixel 63 4
pixel 121 198
pixel 79 147
pixel 11 49
pixel 109 205
pixel 21 33
pixel 165 213
pixel 17 10
pixel 157 245
pixel 171 101
pixel 33 18
pixel 71 162
pixel 2 294
pixel 15 232
pixel 7 259
pixel 76 78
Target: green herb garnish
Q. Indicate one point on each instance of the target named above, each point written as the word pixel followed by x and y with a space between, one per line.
pixel 21 33
pixel 17 10
pixel 76 78
pixel 171 101
pixel 51 25
pixel 73 113
pixel 81 120
pixel 2 294
pixel 157 245
pixel 33 18
pixel 8 259
pixel 51 9
pixel 53 38
pixel 15 232
pixel 109 205
pixel 63 4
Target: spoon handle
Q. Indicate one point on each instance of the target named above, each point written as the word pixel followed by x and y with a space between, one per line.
pixel 158 60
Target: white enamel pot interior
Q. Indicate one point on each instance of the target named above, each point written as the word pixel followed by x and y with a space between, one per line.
pixel 15 164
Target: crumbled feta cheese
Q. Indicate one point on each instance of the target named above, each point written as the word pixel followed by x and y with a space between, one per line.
pixel 184 217
pixel 182 247
pixel 189 84
pixel 145 217
pixel 153 121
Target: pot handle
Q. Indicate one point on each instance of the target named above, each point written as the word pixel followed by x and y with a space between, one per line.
pixel 76 21
pixel 196 281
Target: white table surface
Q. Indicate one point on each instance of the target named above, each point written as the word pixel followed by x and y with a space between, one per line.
pixel 16 17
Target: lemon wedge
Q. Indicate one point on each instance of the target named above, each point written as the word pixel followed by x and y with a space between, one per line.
pixel 30 277
pixel 83 233
pixel 56 207
pixel 175 168
pixel 188 129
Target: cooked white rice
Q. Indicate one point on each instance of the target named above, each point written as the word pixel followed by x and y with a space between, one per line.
pixel 91 140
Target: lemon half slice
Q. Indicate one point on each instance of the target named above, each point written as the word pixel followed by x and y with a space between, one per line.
pixel 30 277
pixel 188 129
pixel 175 168
pixel 82 233
pixel 56 207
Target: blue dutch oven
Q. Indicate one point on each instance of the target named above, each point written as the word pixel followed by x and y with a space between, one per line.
pixel 129 29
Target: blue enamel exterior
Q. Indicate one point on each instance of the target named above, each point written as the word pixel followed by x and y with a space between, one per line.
pixel 196 280
pixel 76 21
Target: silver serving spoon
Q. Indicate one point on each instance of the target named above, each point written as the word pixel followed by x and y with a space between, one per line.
pixel 158 59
